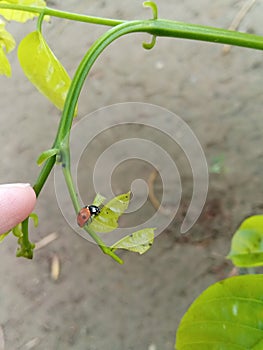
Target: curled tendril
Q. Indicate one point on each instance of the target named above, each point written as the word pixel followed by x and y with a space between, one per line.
pixel 153 6
pixel 149 46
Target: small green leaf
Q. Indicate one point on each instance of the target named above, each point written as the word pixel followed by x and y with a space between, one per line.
pixel 17 230
pixel 43 69
pixel 7 44
pixel 119 204
pixel 5 68
pixel 138 242
pixel 3 235
pixel 107 220
pixel 247 243
pixel 7 41
pixel 47 154
pixel 104 222
pixel 227 316
pixel 99 200
pixel 21 16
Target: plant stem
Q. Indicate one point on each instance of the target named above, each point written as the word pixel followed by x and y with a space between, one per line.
pixel 25 232
pixel 101 244
pixel 27 247
pixel 66 167
pixel 183 30
pixel 62 14
pixel 43 175
pixel 40 21
pixel 158 27
pixel 65 161
pixel 155 27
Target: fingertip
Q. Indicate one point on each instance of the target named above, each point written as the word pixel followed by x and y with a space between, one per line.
pixel 16 202
pixel 30 196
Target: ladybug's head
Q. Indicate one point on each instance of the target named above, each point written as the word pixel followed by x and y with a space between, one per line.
pixel 94 210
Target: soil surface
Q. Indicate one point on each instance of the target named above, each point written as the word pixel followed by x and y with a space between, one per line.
pixel 96 304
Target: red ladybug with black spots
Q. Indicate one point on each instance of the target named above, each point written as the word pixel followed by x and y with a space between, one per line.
pixel 86 213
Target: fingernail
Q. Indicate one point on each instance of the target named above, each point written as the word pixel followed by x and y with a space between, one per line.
pixel 19 185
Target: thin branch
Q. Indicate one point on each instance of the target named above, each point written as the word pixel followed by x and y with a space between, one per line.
pixel 46 240
pixel 153 199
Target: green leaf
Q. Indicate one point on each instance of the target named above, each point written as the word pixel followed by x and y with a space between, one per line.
pixel 47 154
pixel 107 220
pixel 21 16
pixel 43 69
pixel 5 68
pixel 7 41
pixel 104 222
pixel 7 44
pixel 3 236
pixel 247 243
pixel 138 242
pixel 99 200
pixel 17 230
pixel 118 204
pixel 227 316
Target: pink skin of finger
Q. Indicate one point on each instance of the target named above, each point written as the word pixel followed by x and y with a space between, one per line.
pixel 16 202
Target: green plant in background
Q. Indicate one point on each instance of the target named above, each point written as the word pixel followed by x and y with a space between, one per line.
pixel 247 243
pixel 229 314
pixel 218 165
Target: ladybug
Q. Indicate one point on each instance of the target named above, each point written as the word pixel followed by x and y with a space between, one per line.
pixel 86 213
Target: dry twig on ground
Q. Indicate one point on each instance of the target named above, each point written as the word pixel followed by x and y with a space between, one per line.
pixel 237 20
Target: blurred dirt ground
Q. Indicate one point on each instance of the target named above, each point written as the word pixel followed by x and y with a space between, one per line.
pixel 96 304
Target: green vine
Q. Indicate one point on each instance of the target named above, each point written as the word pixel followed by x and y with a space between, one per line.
pixel 60 150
